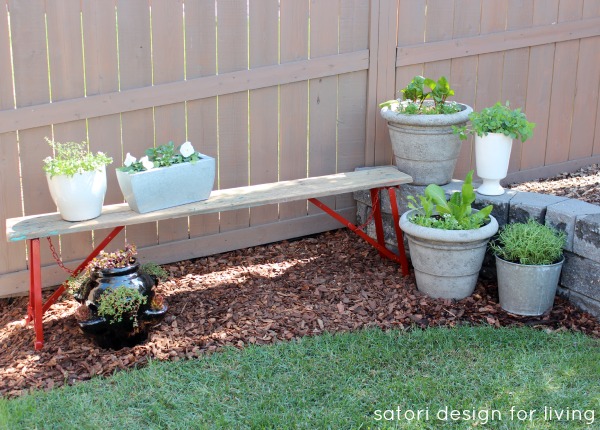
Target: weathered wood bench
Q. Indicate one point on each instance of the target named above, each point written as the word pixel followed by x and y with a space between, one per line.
pixel 32 228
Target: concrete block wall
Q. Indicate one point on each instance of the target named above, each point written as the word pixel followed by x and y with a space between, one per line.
pixel 580 278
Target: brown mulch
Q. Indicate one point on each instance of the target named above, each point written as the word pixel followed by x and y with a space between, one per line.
pixel 583 184
pixel 331 282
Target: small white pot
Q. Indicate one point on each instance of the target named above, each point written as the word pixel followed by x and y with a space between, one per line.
pixel 492 155
pixel 79 197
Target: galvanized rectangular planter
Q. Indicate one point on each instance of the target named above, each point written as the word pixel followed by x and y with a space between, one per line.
pixel 165 187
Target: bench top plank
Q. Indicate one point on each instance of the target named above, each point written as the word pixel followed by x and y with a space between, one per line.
pixel 51 224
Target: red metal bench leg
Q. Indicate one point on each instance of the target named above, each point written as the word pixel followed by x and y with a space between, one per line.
pixel 34 311
pixel 399 235
pixel 375 204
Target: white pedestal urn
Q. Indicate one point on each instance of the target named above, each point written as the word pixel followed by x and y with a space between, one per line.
pixel 166 187
pixel 79 197
pixel 492 155
pixel 446 262
pixel 425 146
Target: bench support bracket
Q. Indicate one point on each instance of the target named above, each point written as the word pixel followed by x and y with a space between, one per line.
pixel 378 244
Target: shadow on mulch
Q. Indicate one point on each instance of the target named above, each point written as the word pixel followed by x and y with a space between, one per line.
pixel 332 282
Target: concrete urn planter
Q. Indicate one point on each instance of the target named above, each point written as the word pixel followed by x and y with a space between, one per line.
pixel 425 146
pixel 446 262
pixel 165 187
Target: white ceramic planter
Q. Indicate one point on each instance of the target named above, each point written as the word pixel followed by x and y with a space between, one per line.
pixel 79 197
pixel 527 289
pixel 446 262
pixel 166 187
pixel 492 155
pixel 425 146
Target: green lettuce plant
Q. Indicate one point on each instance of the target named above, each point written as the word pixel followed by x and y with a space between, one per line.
pixel 498 119
pixel 73 157
pixel 455 213
pixel 415 94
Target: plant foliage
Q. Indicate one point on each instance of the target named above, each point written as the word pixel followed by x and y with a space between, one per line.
pixel 455 213
pixel 498 119
pixel 73 157
pixel 118 303
pixel 162 156
pixel 415 95
pixel 529 243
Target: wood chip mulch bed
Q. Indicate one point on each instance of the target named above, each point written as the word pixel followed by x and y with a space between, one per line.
pixel 331 282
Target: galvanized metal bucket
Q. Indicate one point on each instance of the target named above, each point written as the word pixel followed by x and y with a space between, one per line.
pixel 527 289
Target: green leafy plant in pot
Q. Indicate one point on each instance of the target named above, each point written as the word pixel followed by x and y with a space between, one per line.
pixel 420 126
pixel 166 176
pixel 118 302
pixel 529 259
pixel 495 128
pixel 447 240
pixel 76 179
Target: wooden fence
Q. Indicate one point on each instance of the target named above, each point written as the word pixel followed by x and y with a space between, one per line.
pixel 274 90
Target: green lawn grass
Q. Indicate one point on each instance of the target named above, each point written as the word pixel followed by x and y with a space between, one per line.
pixel 345 381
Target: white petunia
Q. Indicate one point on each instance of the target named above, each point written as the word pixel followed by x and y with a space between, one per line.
pixel 129 160
pixel 146 163
pixel 186 149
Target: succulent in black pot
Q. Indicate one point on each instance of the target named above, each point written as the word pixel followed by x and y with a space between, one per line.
pixel 118 302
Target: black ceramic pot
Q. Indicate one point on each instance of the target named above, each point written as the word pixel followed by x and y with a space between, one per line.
pixel 132 329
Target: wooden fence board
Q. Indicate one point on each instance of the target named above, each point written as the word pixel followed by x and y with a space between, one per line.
pixel 585 109
pixel 293 113
pixel 516 70
pixel 12 258
pixel 65 58
pixel 264 104
pixel 438 27
pixel 201 60
pixel 28 35
pixel 324 16
pixel 352 87
pixel 563 89
pixel 135 71
pixel 410 30
pixel 463 74
pixel 388 39
pixel 232 48
pixel 102 76
pixel 168 66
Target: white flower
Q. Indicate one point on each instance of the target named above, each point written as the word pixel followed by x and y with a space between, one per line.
pixel 147 163
pixel 186 149
pixel 129 160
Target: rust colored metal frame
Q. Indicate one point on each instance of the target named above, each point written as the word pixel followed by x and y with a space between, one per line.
pixel 378 244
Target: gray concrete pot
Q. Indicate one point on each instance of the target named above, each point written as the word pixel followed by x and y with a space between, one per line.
pixel 446 262
pixel 527 289
pixel 424 146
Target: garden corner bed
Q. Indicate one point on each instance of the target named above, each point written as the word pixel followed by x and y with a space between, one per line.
pixel 261 295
